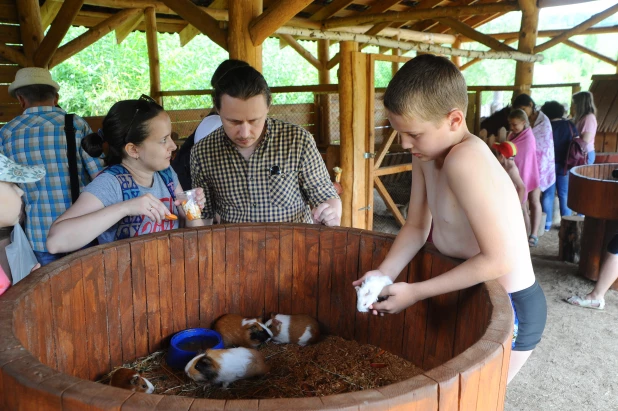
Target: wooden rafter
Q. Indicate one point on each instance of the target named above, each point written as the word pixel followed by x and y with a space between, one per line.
pixel 403 34
pixel 476 60
pixel 379 6
pixel 421 14
pixel 13 55
pixel 91 36
pixel 57 31
pixel 333 8
pixel 200 19
pixel 301 50
pixel 274 17
pixel 592 53
pixel 49 11
pixel 30 27
pixel 187 34
pixel 127 27
pixel 554 33
pixel 468 31
pixel 577 29
pixel 333 61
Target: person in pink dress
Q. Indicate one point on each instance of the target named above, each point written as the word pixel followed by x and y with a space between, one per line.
pixel 585 120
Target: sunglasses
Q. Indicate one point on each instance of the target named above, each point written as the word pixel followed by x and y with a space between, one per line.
pixel 143 103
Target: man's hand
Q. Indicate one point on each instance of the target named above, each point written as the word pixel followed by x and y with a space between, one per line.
pixel 328 213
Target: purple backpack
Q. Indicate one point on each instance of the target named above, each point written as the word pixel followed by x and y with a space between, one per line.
pixel 577 155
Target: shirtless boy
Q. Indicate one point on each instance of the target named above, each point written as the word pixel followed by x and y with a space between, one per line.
pixel 457 182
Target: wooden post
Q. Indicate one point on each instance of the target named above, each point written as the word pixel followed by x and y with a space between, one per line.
pixel 324 56
pixel 394 64
pixel 571 232
pixel 524 71
pixel 153 54
pixel 322 100
pixel 353 100
pixel 30 26
pixel 456 59
pixel 239 41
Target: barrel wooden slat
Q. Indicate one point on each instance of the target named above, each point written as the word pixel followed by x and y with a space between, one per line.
pixel 282 404
pixel 176 403
pixel 112 298
pixel 43 345
pixel 441 320
pixel 166 303
pixel 259 238
pixel 372 400
pixel 419 393
pixel 126 302
pixel 311 276
pixel 232 270
pixel 250 285
pixel 286 268
pixel 241 405
pixel 448 387
pixel 414 332
pixel 140 315
pixel 192 287
pixel 21 387
pixel 365 257
pixel 325 276
pixel 471 319
pixel 204 239
pixel 177 278
pixel 299 265
pixel 498 336
pixel 348 294
pixel 153 304
pixel 271 274
pixel 142 400
pixel 96 396
pixel 96 315
pixel 203 404
pixel 218 272
pixel 338 319
pixel 490 377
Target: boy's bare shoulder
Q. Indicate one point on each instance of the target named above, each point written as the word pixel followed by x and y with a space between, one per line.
pixel 472 151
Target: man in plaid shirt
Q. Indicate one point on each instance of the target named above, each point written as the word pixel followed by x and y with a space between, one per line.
pixel 37 138
pixel 255 168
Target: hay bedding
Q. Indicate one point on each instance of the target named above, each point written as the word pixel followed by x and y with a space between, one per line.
pixel 332 366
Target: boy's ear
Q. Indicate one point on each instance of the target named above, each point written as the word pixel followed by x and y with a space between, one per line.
pixel 456 119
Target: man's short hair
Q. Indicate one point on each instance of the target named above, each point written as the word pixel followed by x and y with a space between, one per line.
pixel 37 93
pixel 428 87
pixel 242 82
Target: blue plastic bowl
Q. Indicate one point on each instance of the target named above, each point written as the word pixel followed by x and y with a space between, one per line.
pixel 185 345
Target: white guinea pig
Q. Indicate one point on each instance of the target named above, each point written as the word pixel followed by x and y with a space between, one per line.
pixel 131 380
pixel 226 366
pixel 298 329
pixel 370 289
pixel 237 331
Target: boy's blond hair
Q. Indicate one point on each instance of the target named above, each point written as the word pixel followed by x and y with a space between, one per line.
pixel 428 87
pixel 519 114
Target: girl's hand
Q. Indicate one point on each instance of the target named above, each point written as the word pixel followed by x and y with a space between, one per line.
pixel 371 273
pixel 399 297
pixel 199 196
pixel 149 206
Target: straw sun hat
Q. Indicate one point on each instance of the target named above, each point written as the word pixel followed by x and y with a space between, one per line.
pixel 32 75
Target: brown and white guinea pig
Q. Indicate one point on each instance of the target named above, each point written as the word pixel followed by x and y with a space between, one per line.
pixel 298 329
pixel 241 332
pixel 226 365
pixel 131 380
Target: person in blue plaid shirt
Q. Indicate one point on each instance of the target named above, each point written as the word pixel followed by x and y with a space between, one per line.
pixel 255 168
pixel 37 138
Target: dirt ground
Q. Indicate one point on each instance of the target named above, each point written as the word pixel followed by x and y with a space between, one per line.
pixel 575 367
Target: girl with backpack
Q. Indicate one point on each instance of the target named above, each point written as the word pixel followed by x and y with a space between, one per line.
pixel 136 193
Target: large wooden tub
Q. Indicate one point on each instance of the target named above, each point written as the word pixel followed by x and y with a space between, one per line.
pixel 73 321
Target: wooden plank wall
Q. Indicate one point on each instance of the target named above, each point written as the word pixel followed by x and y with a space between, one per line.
pixel 9 35
pixel 108 306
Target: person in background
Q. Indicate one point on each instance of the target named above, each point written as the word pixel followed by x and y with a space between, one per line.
pixel 505 153
pixel 136 194
pixel 37 138
pixel 585 120
pixel 12 174
pixel 564 132
pixel 541 128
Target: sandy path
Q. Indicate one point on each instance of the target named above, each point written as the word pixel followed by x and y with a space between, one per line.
pixel 575 367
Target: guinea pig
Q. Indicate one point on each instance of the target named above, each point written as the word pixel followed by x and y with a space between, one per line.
pixel 226 365
pixel 369 291
pixel 298 329
pixel 242 332
pixel 131 380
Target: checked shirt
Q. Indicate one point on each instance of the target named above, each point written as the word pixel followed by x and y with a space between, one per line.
pixel 282 178
pixel 37 138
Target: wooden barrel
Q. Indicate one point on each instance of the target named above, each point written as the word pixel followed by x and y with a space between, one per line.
pixel 594 192
pixel 66 325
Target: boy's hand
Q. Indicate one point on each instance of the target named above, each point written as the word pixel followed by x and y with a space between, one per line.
pixel 371 273
pixel 399 297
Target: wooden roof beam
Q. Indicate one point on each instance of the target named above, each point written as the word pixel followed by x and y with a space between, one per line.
pixel 551 33
pixel 49 11
pixel 123 31
pixel 476 60
pixel 403 45
pixel 577 29
pixel 13 55
pixel 30 27
pixel 301 50
pixel 187 34
pixel 592 53
pixel 333 8
pixel 468 31
pixel 380 6
pixel 200 19
pixel 420 14
pixel 91 36
pixel 56 32
pixel 274 17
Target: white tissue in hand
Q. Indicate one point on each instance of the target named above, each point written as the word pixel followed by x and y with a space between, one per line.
pixel 370 290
